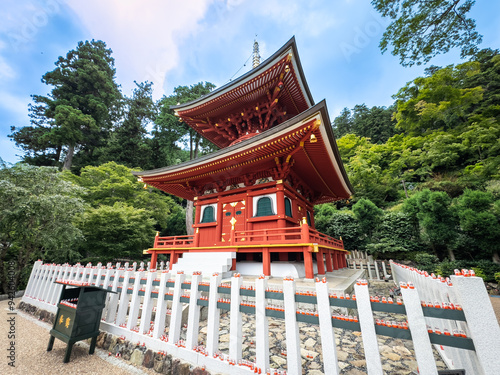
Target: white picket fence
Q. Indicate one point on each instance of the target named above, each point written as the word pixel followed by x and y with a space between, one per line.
pixel 375 269
pixel 140 292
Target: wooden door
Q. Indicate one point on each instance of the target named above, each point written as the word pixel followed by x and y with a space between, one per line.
pixel 233 215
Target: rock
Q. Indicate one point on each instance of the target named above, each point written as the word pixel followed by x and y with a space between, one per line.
pixel 148 361
pixel 392 356
pixel 137 357
pixel 401 350
pixel 100 339
pixel 128 350
pixel 314 372
pixel 342 365
pixel 304 353
pixel 112 344
pixel 341 355
pixel 179 368
pixel 159 362
pixel 107 341
pixel 359 363
pixel 280 361
pixel 199 371
pixel 224 338
pixel 167 366
pixel 309 343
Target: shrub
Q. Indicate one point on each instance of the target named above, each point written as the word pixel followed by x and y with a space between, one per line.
pixel 426 262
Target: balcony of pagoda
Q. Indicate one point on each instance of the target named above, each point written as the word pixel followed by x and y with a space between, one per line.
pixel 302 240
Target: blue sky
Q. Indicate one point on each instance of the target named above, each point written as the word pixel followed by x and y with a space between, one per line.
pixel 172 43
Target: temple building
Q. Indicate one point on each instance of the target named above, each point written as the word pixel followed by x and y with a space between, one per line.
pixel 254 197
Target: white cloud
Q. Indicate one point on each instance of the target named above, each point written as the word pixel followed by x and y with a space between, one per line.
pixel 14 104
pixel 143 35
pixel 6 71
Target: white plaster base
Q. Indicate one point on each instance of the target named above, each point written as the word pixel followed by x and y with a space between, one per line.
pixel 278 269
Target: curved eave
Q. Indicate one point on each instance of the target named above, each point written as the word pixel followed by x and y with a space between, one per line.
pixel 290 45
pixel 327 174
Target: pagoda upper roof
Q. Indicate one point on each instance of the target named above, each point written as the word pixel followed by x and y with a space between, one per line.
pixel 302 150
pixel 267 95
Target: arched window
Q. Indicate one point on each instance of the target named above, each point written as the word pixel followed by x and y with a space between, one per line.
pixel 288 207
pixel 264 207
pixel 208 215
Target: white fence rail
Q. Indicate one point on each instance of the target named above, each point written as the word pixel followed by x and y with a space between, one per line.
pixel 376 269
pixel 142 292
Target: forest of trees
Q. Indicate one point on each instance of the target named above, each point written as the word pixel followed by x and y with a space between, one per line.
pixel 426 170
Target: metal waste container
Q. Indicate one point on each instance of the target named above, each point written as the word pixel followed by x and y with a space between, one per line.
pixel 78 316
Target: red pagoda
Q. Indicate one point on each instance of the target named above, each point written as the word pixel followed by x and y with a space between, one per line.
pixel 254 197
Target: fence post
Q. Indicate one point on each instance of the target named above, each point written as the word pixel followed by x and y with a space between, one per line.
pixel 261 325
pixel 161 306
pixel 54 288
pixel 194 313
pixel 31 283
pixel 235 325
pixel 293 358
pixel 418 328
pixel 114 297
pixel 481 320
pixel 135 304
pixel 328 346
pixel 368 334
pixel 147 304
pixel 174 330
pixel 213 315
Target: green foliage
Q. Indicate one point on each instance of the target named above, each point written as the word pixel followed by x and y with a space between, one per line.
pixel 112 183
pixel 497 277
pixel 79 110
pixel 479 221
pixel 115 232
pixel 421 29
pixel 344 224
pixel 437 221
pixel 426 262
pixel 368 216
pixel 38 209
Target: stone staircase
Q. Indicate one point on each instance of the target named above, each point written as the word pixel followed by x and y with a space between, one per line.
pixel 206 262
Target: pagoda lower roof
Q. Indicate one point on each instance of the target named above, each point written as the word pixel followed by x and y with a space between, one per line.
pixel 225 114
pixel 303 146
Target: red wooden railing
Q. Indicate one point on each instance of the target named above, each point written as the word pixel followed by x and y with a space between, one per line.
pixel 289 235
pixel 174 241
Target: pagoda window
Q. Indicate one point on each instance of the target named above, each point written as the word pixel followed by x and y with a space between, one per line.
pixel 265 205
pixel 308 218
pixel 208 214
pixel 288 207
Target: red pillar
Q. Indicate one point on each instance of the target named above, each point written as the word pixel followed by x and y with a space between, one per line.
pixel 335 260
pixel 233 267
pixel 342 259
pixel 329 266
pixel 320 262
pixel 154 260
pixel 308 263
pixel 266 262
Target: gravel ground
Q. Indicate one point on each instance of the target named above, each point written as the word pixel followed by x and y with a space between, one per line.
pixel 31 356
pixel 495 301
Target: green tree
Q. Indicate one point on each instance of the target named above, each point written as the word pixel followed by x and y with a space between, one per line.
pixel 342 124
pixel 38 209
pixel 368 216
pixel 129 143
pixel 116 232
pixel 421 29
pixel 436 219
pixel 478 221
pixel 83 82
pixel 343 224
pixel 112 183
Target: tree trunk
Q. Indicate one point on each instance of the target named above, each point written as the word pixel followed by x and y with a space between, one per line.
pixel 189 218
pixel 451 254
pixel 495 257
pixel 69 158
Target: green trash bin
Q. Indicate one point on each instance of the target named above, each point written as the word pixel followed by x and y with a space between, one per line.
pixel 78 315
